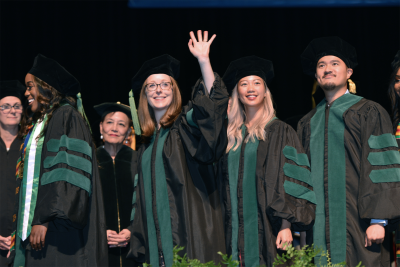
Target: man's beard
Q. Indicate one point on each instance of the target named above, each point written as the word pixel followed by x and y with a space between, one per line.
pixel 328 86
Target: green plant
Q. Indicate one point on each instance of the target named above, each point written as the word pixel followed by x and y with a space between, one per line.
pixel 305 256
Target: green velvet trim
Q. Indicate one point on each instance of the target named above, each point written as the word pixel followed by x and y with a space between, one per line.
pixel 382 141
pixel 384 158
pixel 69 159
pixel 134 197
pixel 233 170
pixel 250 205
pixel 317 125
pixel 163 209
pixel 73 144
pixel 136 180
pixel 133 214
pixel 385 175
pixel 299 191
pixel 151 228
pixel 69 176
pixel 337 177
pixel 300 158
pixel 189 118
pixel 298 173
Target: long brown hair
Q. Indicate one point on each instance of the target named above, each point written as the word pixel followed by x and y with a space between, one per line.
pixel 394 99
pixel 146 114
pixel 50 99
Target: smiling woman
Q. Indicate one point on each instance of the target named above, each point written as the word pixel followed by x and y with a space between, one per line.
pixel 11 138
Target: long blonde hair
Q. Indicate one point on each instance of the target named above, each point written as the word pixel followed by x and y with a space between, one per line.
pixel 237 117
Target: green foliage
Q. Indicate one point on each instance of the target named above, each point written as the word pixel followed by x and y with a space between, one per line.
pixel 304 257
pixel 298 258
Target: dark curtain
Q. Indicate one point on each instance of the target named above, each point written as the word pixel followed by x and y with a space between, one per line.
pixel 104 43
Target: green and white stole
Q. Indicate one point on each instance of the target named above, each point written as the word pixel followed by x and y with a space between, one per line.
pixel 30 181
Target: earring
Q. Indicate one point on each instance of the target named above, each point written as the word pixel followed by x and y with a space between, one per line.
pixel 101 136
pixel 126 141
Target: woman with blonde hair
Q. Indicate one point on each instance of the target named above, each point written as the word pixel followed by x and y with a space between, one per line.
pixel 177 201
pixel 264 175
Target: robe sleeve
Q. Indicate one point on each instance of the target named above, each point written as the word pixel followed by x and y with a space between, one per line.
pixel 201 125
pixel 66 171
pixel 290 195
pixel 379 186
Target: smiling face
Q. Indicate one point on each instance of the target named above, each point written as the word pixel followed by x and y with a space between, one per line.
pixel 13 117
pixel 332 73
pixel 252 91
pixel 32 92
pixel 397 82
pixel 114 127
pixel 159 99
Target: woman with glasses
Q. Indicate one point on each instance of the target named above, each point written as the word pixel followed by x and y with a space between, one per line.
pixel 11 138
pixel 177 203
pixel 59 218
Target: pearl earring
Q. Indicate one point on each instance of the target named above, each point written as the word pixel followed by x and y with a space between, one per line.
pixel 101 136
pixel 126 141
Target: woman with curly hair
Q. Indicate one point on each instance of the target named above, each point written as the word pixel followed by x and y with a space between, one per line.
pixel 59 218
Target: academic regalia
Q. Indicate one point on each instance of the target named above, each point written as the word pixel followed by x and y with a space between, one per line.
pixel 118 182
pixel 355 170
pixel 66 186
pixel 177 202
pixel 8 161
pixel 263 182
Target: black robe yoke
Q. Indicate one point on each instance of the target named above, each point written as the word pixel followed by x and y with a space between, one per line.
pixel 187 152
pixel 8 163
pixel 69 196
pixel 355 168
pixel 283 191
pixel 117 179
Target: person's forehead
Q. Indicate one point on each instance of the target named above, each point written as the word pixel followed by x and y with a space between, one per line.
pixel 251 78
pixel 117 115
pixel 10 100
pixel 330 58
pixel 158 77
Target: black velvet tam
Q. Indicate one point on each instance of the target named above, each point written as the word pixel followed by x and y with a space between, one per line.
pixel 396 61
pixel 51 72
pixel 164 64
pixel 327 46
pixel 12 88
pixel 247 66
pixel 105 108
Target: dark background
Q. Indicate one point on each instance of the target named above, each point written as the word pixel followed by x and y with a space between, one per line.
pixel 104 43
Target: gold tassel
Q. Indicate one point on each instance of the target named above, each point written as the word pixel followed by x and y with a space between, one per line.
pixel 352 86
pixel 314 89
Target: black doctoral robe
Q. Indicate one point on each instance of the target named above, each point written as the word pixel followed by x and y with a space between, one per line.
pixel 256 198
pixel 118 181
pixel 177 201
pixel 69 196
pixel 355 169
pixel 8 162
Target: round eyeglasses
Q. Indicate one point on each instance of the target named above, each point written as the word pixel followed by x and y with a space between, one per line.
pixel 6 108
pixel 153 86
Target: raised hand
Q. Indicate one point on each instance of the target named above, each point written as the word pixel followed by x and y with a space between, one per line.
pixel 200 47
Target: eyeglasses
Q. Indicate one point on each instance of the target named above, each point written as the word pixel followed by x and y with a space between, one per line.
pixel 153 86
pixel 7 108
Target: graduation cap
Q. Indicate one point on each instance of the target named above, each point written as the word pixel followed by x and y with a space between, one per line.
pixel 247 66
pixel 105 108
pixel 396 61
pixel 164 64
pixel 12 88
pixel 327 46
pixel 51 72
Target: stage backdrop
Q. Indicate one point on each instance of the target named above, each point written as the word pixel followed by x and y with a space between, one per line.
pixel 104 43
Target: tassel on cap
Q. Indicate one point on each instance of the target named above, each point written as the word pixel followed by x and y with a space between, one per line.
pixel 135 119
pixel 81 110
pixel 352 86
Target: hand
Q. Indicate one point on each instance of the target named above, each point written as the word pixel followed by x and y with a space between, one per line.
pixel 5 243
pixel 201 48
pixel 284 239
pixel 118 240
pixel 375 234
pixel 38 235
